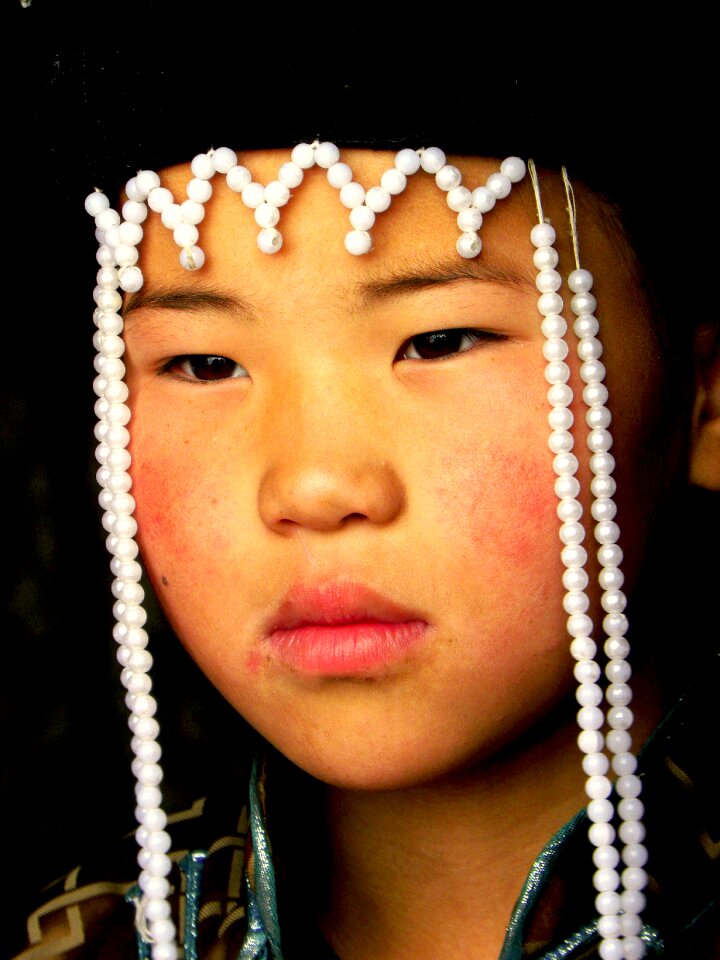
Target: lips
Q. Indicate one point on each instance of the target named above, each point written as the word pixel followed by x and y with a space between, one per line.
pixel 342 629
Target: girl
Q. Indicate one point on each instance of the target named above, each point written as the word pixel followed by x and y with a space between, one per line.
pixel 348 510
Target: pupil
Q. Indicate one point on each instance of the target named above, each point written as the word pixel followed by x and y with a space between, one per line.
pixel 439 343
pixel 213 368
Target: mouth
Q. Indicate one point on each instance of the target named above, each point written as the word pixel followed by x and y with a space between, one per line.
pixel 342 629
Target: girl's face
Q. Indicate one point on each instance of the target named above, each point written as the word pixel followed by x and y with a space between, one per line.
pixel 350 520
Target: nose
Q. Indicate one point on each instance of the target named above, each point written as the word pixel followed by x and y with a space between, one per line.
pixel 328 466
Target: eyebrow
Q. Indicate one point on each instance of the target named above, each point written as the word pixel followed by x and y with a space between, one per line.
pixel 190 300
pixel 386 286
pixel 435 273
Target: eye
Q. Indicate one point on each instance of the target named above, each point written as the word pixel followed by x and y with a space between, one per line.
pixel 205 368
pixel 442 343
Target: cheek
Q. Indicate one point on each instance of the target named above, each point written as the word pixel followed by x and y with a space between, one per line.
pixel 503 501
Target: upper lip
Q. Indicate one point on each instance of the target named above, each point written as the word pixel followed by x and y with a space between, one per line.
pixel 336 602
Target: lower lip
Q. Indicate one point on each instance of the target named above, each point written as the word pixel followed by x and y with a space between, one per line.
pixel 345 649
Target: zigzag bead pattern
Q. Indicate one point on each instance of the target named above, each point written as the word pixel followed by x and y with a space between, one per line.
pixel 119 233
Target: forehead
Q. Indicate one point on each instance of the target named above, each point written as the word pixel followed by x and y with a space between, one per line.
pixel 419 226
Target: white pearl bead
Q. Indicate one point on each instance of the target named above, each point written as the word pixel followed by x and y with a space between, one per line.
pixel 619 741
pixel 611 950
pixel 583 648
pixel 548 281
pixel 156 887
pixel 610 554
pixel 362 218
pixel 583 303
pixel 513 168
pixel 145 181
pixel 148 751
pixel 269 240
pixel 164 951
pixel 601 834
pixel 238 177
pixel 607 531
pixel 253 195
pixel 152 819
pixel 618 671
pixel 125 255
pixel 326 154
pixel 590 718
pixel 448 177
pixel 358 242
pixel 569 487
pixel 618 694
pixel 606 879
pixel 586 326
pixel 592 370
pixel 133 191
pixel 545 258
pixel 542 235
pixel 589 348
pixel 163 931
pixel 407 161
pixel 560 418
pixel 599 440
pixel 277 193
pixel 607 903
pixel 468 245
pixel 595 394
pixel 634 878
pixel 624 764
pixel 633 901
pixel 586 671
pixel 377 199
pixel 598 787
pixel 596 765
pixel 635 855
pixel 634 948
pixel 555 349
pixel 569 509
pixel 572 533
pixel 609 926
pixel 614 601
pixel 338 175
pixel 266 215
pixel 131 279
pixel 185 235
pixel 107 219
pixel 499 185
pixel 192 212
pixel 432 159
pixel 620 718
pixel 631 925
pixel 598 418
pixel 565 464
pixel 134 212
pixel 159 198
pixel 202 166
pixel 602 486
pixel 590 741
pixel 291 175
pixel 550 303
pixel 580 281
pixel 199 190
pixel 557 372
pixel 632 831
pixel 96 202
pixel 629 785
pixel 156 909
pixel 223 159
pixel 303 155
pixel 192 258
pixel 394 181
pixel 469 220
pixel 600 811
pixel 589 695
pixel 171 216
pixel 483 199
pixel 352 195
pixel 459 199
pixel 559 395
pixel 104 256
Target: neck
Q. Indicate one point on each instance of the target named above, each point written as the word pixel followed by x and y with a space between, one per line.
pixel 414 870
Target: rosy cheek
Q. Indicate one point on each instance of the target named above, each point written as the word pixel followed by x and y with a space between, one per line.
pixel 505 502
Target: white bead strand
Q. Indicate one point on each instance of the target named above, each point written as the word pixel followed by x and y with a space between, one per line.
pixel 119 505
pixel 625 941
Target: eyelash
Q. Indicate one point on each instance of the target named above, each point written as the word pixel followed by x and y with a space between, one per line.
pixel 442 344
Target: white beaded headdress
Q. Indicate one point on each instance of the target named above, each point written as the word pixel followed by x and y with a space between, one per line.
pixel 619 900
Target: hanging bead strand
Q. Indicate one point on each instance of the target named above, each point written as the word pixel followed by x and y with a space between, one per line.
pixel 118 505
